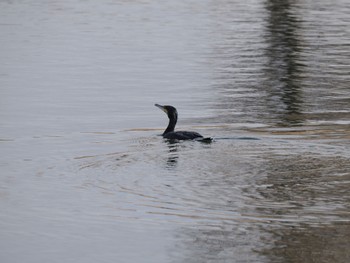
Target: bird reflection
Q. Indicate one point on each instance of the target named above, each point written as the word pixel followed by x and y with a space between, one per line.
pixel 173 157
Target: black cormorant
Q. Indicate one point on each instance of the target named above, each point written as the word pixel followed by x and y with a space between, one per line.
pixel 169 132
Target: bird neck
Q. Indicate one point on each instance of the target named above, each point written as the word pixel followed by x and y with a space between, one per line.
pixel 171 126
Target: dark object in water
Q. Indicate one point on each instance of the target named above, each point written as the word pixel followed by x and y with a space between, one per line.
pixel 169 132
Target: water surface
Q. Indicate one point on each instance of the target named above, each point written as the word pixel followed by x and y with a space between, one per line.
pixel 85 176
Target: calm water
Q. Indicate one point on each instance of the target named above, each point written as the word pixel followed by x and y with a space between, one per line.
pixel 85 176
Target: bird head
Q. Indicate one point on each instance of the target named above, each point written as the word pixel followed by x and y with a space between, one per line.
pixel 169 110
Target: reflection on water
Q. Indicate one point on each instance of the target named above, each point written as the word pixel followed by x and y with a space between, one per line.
pixel 310 189
pixel 280 72
pixel 283 69
pixel 173 156
pixel 85 176
pixel 327 243
pixel 230 199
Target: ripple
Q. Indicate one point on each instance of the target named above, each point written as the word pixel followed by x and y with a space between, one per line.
pixel 266 180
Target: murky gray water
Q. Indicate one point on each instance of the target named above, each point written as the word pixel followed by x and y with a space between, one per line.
pixel 84 176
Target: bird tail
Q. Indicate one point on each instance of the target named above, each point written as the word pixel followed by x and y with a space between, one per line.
pixel 205 139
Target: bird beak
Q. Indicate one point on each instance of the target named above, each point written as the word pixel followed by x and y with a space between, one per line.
pixel 161 107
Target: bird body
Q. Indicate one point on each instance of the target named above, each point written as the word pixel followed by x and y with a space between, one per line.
pixel 170 132
pixel 182 135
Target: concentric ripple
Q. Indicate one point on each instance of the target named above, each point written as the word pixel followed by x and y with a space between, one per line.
pixel 233 180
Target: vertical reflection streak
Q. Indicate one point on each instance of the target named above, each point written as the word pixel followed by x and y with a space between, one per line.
pixel 283 69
